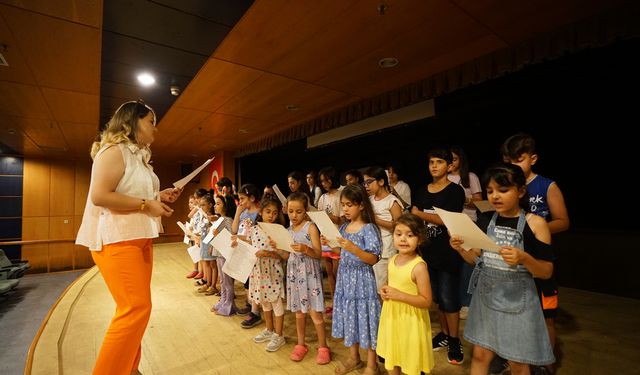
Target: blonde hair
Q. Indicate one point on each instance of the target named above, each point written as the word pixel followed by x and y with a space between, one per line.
pixel 123 126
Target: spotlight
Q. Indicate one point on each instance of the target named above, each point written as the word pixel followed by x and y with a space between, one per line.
pixel 175 90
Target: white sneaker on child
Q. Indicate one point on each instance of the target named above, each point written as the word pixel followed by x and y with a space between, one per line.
pixel 264 336
pixel 276 343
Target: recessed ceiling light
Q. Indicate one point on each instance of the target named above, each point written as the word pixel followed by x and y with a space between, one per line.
pixel 243 131
pixel 11 131
pixel 292 107
pixel 146 79
pixel 388 62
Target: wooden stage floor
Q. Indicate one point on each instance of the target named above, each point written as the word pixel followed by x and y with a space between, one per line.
pixel 598 334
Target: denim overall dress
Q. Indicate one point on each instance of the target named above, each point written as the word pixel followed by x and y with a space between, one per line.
pixel 505 314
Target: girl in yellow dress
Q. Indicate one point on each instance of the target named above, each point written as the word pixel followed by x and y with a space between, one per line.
pixel 404 332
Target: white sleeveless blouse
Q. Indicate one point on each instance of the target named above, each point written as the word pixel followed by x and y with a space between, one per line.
pixel 104 226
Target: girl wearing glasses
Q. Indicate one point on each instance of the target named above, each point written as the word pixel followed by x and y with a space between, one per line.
pixel 387 208
pixel 121 217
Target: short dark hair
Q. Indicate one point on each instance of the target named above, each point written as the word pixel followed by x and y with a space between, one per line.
pixel 517 145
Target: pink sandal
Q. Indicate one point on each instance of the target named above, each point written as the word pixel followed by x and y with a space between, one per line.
pixel 324 356
pixel 298 353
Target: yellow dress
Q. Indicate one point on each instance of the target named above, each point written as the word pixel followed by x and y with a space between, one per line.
pixel 404 332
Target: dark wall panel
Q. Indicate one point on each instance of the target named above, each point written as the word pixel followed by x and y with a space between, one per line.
pixel 10 206
pixel 10 185
pixel 11 165
pixel 10 228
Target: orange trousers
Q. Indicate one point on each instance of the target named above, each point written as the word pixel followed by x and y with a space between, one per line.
pixel 126 269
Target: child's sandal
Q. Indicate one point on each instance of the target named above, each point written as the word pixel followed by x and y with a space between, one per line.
pixel 298 353
pixel 348 366
pixel 324 356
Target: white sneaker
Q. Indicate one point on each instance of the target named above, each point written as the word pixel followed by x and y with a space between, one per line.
pixel 264 336
pixel 464 312
pixel 275 343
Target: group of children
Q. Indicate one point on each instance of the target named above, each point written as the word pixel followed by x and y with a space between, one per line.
pixel 390 265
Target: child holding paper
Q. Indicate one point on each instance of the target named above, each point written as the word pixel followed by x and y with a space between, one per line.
pixel 266 281
pixel 329 202
pixel 245 218
pixel 208 259
pixel 356 305
pixel 304 278
pixel 387 208
pixel 505 316
pixel 226 208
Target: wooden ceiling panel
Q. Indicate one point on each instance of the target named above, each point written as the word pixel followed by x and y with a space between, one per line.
pixel 270 29
pixel 217 82
pixel 79 136
pixel 446 38
pixel 23 101
pixel 206 135
pixel 175 124
pixel 266 99
pixel 70 106
pixel 44 133
pixel 515 21
pixel 328 49
pixel 17 71
pixel 86 12
pixel 60 54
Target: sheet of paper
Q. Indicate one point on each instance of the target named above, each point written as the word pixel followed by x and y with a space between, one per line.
pixel 240 264
pixel 194 253
pixel 185 239
pixel 279 234
pixel 326 226
pixel 484 206
pixel 460 225
pixel 183 181
pixel 204 215
pixel 280 196
pixel 212 229
pixel 222 243
pixel 184 228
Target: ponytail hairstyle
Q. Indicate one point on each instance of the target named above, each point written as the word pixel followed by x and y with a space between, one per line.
pixel 267 200
pixel 379 174
pixel 250 190
pixel 210 200
pixel 507 174
pixel 123 126
pixel 358 195
pixel 416 225
pixel 200 193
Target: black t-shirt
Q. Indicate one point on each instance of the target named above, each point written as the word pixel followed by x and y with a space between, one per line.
pixel 532 245
pixel 437 252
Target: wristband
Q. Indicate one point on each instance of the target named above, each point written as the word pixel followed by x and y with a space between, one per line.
pixel 142 205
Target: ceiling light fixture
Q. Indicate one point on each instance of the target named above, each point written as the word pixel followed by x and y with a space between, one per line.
pixel 175 90
pixel 146 79
pixel 243 131
pixel 388 62
pixel 292 107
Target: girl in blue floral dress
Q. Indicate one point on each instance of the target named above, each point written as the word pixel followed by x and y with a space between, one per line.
pixel 304 278
pixel 356 304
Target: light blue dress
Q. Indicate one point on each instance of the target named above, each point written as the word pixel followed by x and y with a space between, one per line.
pixel 356 305
pixel 304 277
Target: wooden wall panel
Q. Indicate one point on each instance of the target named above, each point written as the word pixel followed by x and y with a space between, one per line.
pixel 35 228
pixel 61 254
pixel 38 257
pixel 37 174
pixel 62 188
